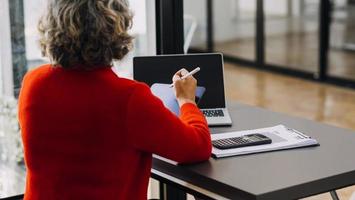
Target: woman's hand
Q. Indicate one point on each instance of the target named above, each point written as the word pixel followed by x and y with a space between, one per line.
pixel 184 89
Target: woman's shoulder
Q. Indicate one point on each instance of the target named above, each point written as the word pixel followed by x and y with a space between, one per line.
pixel 33 80
pixel 135 87
pixel 38 72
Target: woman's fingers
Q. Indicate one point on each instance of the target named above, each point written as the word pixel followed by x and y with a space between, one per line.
pixel 184 89
pixel 179 74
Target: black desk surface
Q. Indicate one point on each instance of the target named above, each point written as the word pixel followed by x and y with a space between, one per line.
pixel 287 174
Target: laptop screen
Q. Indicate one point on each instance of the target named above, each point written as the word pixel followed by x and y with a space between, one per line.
pixel 160 69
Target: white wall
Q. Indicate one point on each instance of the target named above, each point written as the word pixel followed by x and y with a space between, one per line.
pixel 144 32
pixel 139 9
pixel 151 28
pixel 34 9
pixel 6 79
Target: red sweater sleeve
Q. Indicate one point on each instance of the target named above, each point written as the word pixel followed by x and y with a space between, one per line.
pixel 155 129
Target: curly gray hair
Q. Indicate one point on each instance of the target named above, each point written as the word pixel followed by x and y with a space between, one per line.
pixel 89 33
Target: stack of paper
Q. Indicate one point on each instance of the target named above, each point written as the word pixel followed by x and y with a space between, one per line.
pixel 282 138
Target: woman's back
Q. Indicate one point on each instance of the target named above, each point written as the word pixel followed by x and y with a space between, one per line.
pixel 87 133
pixel 91 135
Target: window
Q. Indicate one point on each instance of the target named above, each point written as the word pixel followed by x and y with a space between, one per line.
pixel 292 35
pixel 143 30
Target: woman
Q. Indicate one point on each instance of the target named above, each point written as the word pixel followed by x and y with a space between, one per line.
pixel 87 133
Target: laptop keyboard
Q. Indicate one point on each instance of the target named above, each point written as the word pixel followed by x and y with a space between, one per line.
pixel 213 113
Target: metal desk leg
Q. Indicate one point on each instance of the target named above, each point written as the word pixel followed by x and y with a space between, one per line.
pixel 334 195
pixel 168 192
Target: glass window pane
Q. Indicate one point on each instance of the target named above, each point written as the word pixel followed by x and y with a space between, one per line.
pixel 341 53
pixel 33 11
pixel 292 29
pixel 234 27
pixel 143 30
pixel 195 24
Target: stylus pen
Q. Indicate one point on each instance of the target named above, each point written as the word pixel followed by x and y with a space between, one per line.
pixel 188 74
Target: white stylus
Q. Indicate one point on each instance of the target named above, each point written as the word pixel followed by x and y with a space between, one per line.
pixel 188 74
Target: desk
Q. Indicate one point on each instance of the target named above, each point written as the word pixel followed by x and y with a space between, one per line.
pixel 287 174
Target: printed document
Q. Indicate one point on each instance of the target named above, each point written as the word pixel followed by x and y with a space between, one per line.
pixel 282 138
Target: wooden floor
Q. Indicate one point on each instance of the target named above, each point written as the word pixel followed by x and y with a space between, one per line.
pixel 295 51
pixel 324 103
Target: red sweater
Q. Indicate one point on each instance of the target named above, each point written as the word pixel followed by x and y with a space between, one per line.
pixel 91 134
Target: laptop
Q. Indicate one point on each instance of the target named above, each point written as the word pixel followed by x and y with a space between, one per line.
pixel 157 72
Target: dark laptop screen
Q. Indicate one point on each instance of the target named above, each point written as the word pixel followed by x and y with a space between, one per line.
pixel 160 69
